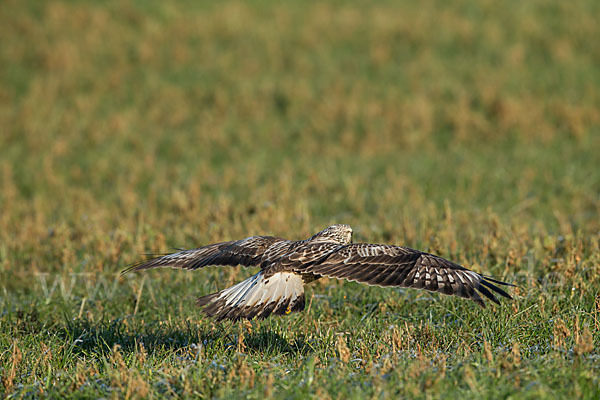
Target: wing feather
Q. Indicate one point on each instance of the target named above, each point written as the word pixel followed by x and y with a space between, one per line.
pixel 387 265
pixel 247 252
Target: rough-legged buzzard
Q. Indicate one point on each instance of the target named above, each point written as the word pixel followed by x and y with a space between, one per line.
pixel 285 266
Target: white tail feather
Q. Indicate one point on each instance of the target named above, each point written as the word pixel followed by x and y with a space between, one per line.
pixel 257 296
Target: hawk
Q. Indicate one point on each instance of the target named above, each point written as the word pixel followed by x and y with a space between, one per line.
pixel 286 266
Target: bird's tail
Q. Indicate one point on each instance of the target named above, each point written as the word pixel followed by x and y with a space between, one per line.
pixel 257 297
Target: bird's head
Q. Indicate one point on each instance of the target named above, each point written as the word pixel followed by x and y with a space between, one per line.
pixel 339 233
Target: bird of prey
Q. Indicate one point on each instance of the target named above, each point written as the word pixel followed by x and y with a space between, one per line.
pixel 286 265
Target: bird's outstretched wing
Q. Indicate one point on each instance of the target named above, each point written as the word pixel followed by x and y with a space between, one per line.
pixel 387 265
pixel 246 252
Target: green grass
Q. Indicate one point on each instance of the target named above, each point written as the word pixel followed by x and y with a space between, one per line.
pixel 470 129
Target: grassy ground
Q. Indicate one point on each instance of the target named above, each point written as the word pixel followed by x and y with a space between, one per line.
pixel 466 128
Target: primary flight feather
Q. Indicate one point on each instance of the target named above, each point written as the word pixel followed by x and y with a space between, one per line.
pixel 285 266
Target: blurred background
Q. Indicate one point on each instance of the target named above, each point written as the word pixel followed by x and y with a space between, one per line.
pixel 460 127
pixel 467 128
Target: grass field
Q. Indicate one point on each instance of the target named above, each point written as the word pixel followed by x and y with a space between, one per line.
pixel 469 128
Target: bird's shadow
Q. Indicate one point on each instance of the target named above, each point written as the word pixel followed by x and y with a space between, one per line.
pixel 87 337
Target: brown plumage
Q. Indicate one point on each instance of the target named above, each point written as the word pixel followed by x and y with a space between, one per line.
pixel 285 266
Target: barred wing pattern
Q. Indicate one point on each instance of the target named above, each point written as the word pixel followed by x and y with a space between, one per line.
pixel 247 252
pixel 305 255
pixel 387 265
